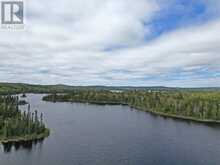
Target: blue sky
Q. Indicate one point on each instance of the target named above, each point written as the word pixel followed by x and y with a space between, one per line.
pixel 115 42
pixel 180 13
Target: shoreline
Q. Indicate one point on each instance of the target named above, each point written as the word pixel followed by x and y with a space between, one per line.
pixel 173 116
pixel 26 138
pixel 177 117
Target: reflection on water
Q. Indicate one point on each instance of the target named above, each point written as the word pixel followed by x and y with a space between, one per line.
pixel 211 125
pixel 24 145
pixel 85 134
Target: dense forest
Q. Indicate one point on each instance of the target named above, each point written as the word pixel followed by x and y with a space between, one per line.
pixel 200 106
pixel 15 88
pixel 16 125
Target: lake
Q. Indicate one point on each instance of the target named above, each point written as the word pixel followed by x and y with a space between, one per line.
pixel 84 134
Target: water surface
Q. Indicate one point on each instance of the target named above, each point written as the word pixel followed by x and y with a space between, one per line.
pixel 83 134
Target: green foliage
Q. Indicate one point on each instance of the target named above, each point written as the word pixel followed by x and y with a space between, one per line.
pixel 16 124
pixel 13 88
pixel 204 105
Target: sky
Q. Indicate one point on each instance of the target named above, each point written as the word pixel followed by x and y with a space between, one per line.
pixel 172 43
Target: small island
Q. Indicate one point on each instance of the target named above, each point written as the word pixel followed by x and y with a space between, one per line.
pixel 16 126
pixel 199 106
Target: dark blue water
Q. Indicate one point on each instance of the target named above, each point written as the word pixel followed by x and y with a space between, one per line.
pixel 84 134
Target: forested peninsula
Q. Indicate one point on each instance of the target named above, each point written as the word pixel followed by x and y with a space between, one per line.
pixel 197 106
pixel 16 126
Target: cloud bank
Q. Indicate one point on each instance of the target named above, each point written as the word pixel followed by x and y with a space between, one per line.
pixel 107 43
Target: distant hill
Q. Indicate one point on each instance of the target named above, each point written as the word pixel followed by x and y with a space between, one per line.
pixel 11 88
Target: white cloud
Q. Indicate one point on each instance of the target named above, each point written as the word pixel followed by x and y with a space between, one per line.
pixel 93 24
pixel 64 42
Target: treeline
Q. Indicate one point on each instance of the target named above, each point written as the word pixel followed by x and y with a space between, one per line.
pixel 17 88
pixel 196 105
pixel 15 124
